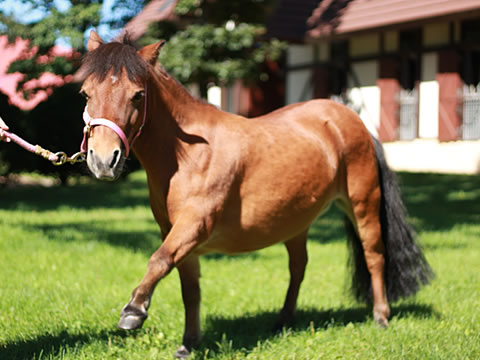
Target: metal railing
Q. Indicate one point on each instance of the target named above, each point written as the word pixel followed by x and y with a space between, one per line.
pixel 471 112
pixel 408 101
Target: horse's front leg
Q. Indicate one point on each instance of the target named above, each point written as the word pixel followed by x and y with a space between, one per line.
pixel 189 271
pixel 135 312
pixel 182 239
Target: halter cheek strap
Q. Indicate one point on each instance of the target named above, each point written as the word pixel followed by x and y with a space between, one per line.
pixel 91 122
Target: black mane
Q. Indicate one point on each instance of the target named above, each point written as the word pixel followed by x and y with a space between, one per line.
pixel 115 56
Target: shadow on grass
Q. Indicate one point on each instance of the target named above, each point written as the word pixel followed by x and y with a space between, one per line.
pixel 439 202
pixel 48 345
pixel 435 202
pixel 145 242
pixel 328 228
pixel 119 194
pixel 247 331
pixel 218 256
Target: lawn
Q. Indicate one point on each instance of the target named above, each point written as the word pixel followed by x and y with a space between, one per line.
pixel 70 257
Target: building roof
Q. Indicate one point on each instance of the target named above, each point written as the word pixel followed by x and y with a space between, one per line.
pixel 329 18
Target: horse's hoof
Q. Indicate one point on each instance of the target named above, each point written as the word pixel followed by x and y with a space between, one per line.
pixel 130 322
pixel 285 321
pixel 381 320
pixel 280 326
pixel 182 353
pixel 131 318
pixel 382 323
pixel 380 315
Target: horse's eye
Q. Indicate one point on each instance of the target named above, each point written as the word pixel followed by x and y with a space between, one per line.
pixel 84 94
pixel 138 96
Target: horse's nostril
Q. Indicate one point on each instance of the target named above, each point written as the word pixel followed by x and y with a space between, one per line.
pixel 116 156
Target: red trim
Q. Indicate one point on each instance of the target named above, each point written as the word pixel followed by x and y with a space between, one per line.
pixel 449 120
pixel 389 87
pixel 449 83
pixel 389 109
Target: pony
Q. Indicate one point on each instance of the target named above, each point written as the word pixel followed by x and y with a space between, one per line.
pixel 223 183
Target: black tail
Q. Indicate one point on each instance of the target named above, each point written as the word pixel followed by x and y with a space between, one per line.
pixel 406 269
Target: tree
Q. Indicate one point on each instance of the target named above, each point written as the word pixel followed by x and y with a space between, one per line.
pixel 216 41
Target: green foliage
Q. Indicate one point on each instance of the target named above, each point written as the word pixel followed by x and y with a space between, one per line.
pixel 217 42
pixel 71 256
pixel 185 7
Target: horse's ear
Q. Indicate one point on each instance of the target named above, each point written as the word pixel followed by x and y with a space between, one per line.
pixel 94 41
pixel 150 52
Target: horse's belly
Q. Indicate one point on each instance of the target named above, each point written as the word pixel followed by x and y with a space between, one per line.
pixel 250 234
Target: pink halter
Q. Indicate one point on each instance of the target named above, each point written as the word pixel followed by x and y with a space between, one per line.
pixel 91 122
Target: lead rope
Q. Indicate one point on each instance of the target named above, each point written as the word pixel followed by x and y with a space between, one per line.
pixel 58 158
pixel 61 158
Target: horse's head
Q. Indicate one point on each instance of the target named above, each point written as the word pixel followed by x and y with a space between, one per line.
pixel 116 91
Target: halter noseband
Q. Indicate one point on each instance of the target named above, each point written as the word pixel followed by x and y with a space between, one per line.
pixel 91 122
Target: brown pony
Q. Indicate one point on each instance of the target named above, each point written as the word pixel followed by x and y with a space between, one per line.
pixel 227 184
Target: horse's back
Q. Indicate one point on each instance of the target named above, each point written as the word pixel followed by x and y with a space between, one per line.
pixel 325 118
pixel 314 136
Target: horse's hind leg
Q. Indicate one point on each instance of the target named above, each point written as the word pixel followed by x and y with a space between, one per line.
pixel 364 212
pixel 368 228
pixel 297 261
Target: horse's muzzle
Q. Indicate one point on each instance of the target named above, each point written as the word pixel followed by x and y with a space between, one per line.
pixel 106 167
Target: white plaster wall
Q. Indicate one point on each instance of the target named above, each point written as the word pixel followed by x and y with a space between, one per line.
pixel 367 44
pixel 300 54
pixel 299 86
pixel 428 98
pixel 214 96
pixel 299 82
pixel 365 95
pixel 390 42
pixel 323 51
pixel 436 34
pixel 430 155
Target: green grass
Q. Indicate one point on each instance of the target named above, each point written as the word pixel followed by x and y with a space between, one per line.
pixel 70 256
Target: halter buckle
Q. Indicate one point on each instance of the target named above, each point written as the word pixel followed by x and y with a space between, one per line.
pixel 86 129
